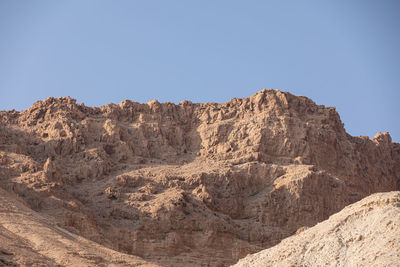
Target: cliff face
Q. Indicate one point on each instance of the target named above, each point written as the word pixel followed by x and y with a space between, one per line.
pixel 190 183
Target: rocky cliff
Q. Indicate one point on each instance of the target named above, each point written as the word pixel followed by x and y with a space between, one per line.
pixel 190 184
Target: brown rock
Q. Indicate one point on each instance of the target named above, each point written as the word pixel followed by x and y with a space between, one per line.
pixel 51 172
pixel 190 184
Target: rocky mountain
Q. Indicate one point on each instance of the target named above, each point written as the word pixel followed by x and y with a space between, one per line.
pixel 366 233
pixel 190 184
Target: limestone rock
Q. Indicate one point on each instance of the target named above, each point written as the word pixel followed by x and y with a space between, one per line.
pixel 366 233
pixel 190 184
pixel 30 239
pixel 50 171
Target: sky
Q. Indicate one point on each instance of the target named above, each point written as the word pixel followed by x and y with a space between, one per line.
pixel 342 53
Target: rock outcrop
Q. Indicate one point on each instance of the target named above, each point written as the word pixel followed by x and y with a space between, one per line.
pixel 366 233
pixel 190 184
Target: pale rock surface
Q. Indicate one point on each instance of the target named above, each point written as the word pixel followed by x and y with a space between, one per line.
pixel 190 184
pixel 366 233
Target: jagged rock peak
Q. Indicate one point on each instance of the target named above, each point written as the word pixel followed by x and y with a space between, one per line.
pixel 261 97
pixel 271 101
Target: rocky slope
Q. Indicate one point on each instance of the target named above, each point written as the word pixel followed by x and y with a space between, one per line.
pixel 366 233
pixel 30 239
pixel 190 184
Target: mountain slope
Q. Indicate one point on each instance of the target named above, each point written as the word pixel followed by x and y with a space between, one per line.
pixel 190 184
pixel 29 239
pixel 366 233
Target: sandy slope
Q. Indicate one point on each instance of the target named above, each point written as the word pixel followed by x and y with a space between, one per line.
pixel 366 233
pixel 29 239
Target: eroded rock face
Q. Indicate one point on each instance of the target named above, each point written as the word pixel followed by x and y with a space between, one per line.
pixel 366 233
pixel 28 238
pixel 190 184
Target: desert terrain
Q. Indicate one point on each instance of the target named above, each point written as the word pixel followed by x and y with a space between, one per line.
pixel 195 184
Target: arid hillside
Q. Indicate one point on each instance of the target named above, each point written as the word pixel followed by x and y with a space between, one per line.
pixel 366 233
pixel 188 184
pixel 30 239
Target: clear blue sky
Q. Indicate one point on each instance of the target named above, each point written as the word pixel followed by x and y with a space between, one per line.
pixel 338 53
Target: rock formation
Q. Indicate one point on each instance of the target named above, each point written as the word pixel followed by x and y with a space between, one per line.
pixel 30 239
pixel 366 233
pixel 190 184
